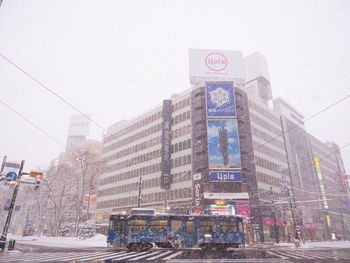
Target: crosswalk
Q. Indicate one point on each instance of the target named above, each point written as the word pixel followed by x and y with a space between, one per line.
pixel 308 254
pixel 96 257
pixel 174 256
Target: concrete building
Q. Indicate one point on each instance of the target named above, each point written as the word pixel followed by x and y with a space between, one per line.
pixel 218 147
pixel 333 213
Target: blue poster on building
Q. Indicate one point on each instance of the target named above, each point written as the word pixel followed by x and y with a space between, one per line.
pixel 225 176
pixel 220 100
pixel 223 145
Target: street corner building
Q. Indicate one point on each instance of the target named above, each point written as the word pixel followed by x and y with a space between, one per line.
pixel 219 148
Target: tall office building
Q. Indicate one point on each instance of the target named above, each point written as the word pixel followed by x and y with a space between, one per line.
pixel 333 213
pixel 218 147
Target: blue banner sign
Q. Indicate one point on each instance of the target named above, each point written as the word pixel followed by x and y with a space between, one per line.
pixel 225 177
pixel 220 100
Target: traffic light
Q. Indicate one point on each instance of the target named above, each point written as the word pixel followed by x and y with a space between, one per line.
pixel 36 187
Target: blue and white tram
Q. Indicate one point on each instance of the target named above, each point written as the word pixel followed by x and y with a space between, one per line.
pixel 142 231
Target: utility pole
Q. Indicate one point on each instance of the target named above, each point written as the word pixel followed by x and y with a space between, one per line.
pixel 166 202
pixel 12 204
pixel 292 210
pixel 140 196
pixel 342 218
pixel 274 217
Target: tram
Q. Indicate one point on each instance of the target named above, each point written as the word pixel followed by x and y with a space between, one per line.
pixel 143 230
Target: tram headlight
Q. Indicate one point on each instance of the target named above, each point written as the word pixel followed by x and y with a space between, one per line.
pixel 207 235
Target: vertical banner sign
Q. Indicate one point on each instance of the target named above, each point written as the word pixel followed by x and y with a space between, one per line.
pixel 166 145
pixel 242 208
pixel 223 145
pixel 220 99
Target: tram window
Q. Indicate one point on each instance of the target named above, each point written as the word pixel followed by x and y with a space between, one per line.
pixel 138 225
pixel 111 225
pixel 227 226
pixel 176 225
pixel 207 226
pixel 159 225
pixel 121 227
pixel 190 227
pixel 240 226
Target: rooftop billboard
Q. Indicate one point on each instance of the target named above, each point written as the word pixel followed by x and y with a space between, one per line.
pixel 216 63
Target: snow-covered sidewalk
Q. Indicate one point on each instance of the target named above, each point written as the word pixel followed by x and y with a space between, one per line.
pixel 72 242
pixel 325 244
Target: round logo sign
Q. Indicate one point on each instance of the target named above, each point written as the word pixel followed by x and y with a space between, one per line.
pixel 216 61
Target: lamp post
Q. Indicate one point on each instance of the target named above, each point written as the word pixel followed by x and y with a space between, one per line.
pixel 99 169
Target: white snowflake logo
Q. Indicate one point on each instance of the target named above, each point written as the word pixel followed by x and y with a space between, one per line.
pixel 219 96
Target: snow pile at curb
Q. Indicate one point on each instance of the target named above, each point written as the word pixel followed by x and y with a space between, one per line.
pixel 96 241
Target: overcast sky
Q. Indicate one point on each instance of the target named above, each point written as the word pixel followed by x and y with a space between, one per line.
pixel 116 59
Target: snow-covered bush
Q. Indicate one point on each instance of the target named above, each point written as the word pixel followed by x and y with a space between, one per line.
pixel 88 230
pixel 67 229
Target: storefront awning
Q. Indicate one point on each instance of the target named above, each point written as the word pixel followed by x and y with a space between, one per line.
pixel 226 196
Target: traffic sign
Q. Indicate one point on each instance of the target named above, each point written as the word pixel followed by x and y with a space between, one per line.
pixel 36 175
pixel 11 176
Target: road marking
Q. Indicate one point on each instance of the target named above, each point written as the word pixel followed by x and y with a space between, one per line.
pixel 158 256
pixel 289 254
pixel 316 255
pixel 144 256
pixel 116 256
pixel 67 258
pixel 126 257
pixel 90 257
pixel 173 255
pixel 275 254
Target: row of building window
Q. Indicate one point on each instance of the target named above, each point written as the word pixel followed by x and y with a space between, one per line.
pixel 181 104
pixel 268 179
pixel 135 126
pixel 265 124
pixel 264 112
pixel 133 149
pixel 181 131
pixel 180 161
pixel 181 146
pixel 267 138
pixel 181 117
pixel 266 195
pixel 264 148
pixel 149 183
pixel 147 198
pixel 174 134
pixel 181 177
pixel 267 164
pixel 153 168
pixel 132 138
pixel 136 160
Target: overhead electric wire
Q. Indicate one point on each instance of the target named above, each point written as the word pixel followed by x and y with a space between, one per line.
pixel 105 130
pixel 43 131
pixel 33 124
pixel 307 119
pixel 52 92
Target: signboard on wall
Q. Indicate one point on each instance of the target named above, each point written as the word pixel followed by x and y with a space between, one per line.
pixel 165 179
pixel 223 144
pixel 79 125
pixel 225 176
pixel 227 64
pixel 242 208
pixel 220 98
